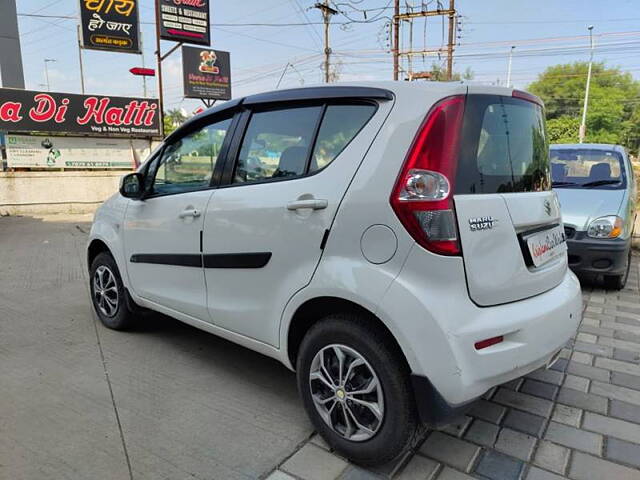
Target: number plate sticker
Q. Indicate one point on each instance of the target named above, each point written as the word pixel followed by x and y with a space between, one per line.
pixel 546 245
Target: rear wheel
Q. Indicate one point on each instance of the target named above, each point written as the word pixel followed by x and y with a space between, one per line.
pixel 108 294
pixel 356 389
pixel 617 282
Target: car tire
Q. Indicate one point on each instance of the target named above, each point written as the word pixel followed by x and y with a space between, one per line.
pixel 108 295
pixel 617 282
pixel 384 436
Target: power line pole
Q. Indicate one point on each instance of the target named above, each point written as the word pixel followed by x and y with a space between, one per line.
pixel 80 61
pixel 452 22
pixel 396 39
pixel 509 65
pixel 398 17
pixel 327 11
pixel 583 124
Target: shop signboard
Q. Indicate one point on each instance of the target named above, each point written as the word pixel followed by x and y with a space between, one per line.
pixel 110 25
pixel 98 115
pixel 206 73
pixel 185 21
pixel 27 151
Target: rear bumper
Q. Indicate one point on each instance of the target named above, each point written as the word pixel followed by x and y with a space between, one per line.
pixel 439 345
pixel 597 256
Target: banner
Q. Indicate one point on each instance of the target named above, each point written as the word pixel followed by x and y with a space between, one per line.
pixel 26 110
pixel 185 21
pixel 206 73
pixel 110 25
pixel 73 152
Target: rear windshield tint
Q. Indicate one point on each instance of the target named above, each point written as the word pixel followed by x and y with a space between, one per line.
pixel 503 147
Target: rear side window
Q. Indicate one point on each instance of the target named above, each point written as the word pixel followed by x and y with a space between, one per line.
pixel 276 144
pixel 341 123
pixel 290 143
pixel 503 146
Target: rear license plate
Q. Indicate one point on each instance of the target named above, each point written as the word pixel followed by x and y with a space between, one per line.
pixel 546 245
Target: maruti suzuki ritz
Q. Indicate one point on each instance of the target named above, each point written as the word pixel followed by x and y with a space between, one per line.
pixel 396 244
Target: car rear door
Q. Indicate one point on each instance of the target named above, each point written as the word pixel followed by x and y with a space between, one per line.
pixel 509 219
pixel 264 231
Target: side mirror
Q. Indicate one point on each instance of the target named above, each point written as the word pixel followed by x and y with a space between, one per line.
pixel 131 185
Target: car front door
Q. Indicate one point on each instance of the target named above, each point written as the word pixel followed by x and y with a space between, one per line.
pixel 162 232
pixel 264 229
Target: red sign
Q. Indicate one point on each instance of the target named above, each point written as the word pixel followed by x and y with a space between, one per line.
pixel 143 72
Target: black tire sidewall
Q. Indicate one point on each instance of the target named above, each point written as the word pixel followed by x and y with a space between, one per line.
pixel 121 320
pixel 618 282
pixel 399 423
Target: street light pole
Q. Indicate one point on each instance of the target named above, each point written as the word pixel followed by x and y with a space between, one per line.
pixel 80 60
pixel 509 67
pixel 46 72
pixel 583 124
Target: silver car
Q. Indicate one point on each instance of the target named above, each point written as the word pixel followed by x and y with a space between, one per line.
pixel 597 193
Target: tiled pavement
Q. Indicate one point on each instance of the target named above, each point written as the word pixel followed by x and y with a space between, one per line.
pixel 579 420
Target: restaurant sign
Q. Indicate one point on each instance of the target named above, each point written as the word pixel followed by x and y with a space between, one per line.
pixel 110 25
pixel 206 73
pixel 74 152
pixel 32 111
pixel 185 21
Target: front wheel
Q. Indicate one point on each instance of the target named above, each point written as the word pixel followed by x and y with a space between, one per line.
pixel 617 282
pixel 355 388
pixel 108 294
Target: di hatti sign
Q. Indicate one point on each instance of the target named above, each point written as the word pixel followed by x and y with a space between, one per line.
pixel 206 73
pixel 110 25
pixel 73 152
pixel 185 21
pixel 30 111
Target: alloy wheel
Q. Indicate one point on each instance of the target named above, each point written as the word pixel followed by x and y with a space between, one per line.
pixel 346 392
pixel 105 291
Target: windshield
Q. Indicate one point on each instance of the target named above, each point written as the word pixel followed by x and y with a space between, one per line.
pixel 587 168
pixel 504 146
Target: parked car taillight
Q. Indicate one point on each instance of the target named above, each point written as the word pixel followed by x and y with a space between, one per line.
pixel 422 197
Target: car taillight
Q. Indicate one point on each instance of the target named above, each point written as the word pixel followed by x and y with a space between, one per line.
pixel 422 197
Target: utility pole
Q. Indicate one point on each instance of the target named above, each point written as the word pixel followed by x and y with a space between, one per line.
pixel 80 61
pixel 159 69
pixel 509 65
pixel 396 39
pixel 11 71
pixel 583 124
pixel 327 11
pixel 398 17
pixel 452 22
pixel 46 72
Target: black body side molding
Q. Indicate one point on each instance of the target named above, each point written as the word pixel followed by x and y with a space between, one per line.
pixel 217 260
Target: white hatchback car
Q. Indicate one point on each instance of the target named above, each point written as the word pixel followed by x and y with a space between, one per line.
pixel 397 244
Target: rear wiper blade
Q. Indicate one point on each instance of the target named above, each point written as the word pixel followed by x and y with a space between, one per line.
pixel 597 183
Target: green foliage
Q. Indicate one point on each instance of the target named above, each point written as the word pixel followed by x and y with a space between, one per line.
pixel 173 119
pixel 439 74
pixel 613 113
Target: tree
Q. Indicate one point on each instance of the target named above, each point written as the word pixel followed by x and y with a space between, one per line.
pixel 173 119
pixel 439 74
pixel 613 111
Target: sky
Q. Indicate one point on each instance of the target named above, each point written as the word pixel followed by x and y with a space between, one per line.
pixel 544 33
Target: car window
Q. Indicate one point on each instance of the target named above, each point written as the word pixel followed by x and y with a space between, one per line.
pixel 276 144
pixel 188 163
pixel 587 168
pixel 341 123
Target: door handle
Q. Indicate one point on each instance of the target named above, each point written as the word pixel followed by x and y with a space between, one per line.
pixel 190 212
pixel 313 203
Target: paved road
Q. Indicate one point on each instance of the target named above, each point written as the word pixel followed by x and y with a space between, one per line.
pixel 167 401
pixel 79 401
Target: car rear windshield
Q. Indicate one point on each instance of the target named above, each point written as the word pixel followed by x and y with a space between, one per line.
pixel 503 147
pixel 587 168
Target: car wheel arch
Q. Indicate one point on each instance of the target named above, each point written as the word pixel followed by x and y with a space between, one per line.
pixel 315 309
pixel 95 248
